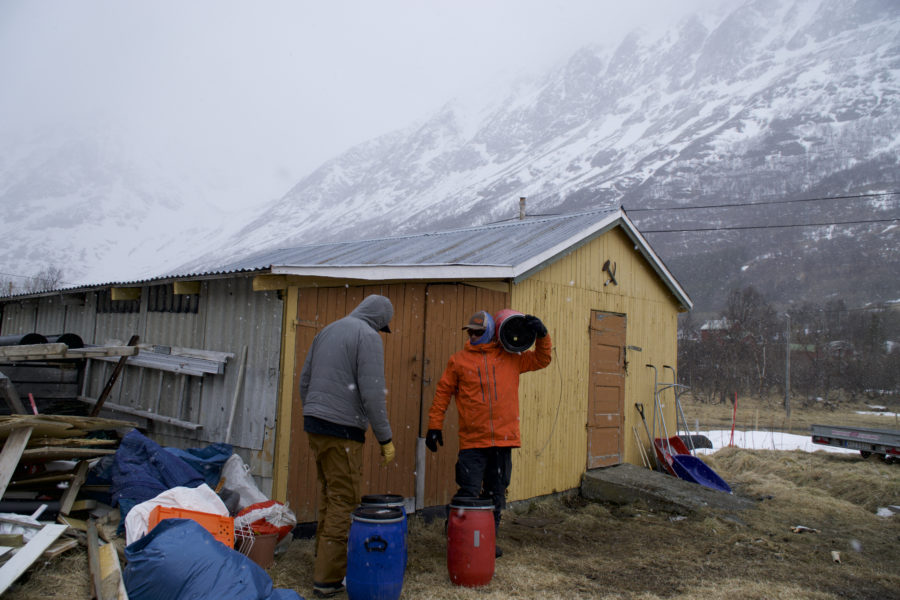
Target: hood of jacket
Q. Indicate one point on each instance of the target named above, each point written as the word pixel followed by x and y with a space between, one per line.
pixel 375 310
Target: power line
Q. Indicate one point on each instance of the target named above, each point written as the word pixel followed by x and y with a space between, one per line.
pixel 766 202
pixel 739 227
pixel 32 277
pixel 19 276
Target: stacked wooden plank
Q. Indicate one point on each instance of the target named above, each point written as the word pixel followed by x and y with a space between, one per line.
pixel 59 351
pixel 31 443
pixel 174 359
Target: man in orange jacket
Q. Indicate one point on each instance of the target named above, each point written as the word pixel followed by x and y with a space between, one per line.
pixel 484 378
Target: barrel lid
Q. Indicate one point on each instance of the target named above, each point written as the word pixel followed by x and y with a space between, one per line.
pixel 468 502
pixel 377 514
pixel 514 334
pixel 382 499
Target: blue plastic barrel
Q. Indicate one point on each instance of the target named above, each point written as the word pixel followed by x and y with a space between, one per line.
pixel 389 501
pixel 376 554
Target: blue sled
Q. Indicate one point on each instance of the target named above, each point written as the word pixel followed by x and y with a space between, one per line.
pixel 691 468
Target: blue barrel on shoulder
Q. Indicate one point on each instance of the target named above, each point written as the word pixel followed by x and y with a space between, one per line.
pixel 376 554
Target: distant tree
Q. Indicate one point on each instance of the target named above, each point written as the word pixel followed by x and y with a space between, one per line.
pixel 833 349
pixel 753 325
pixel 842 349
pixel 689 361
pixel 48 278
pixel 7 286
pixel 808 336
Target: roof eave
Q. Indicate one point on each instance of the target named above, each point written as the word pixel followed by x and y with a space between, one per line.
pixel 397 272
pixel 641 245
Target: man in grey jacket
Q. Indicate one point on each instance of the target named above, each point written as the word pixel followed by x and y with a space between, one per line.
pixel 342 387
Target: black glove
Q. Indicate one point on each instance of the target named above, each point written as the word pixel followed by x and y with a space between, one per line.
pixel 433 438
pixel 535 325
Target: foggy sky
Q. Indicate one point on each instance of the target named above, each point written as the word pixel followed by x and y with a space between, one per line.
pixel 263 92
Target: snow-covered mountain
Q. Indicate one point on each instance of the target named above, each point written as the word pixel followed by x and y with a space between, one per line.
pixel 773 100
pixel 90 203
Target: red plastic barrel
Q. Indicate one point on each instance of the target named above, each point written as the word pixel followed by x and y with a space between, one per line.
pixel 470 541
pixel 512 332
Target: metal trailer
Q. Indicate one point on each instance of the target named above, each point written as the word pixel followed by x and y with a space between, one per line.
pixel 885 442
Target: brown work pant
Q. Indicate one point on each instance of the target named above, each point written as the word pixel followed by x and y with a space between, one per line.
pixel 339 469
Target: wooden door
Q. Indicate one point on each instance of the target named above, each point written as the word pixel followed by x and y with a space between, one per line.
pixel 447 308
pixel 606 400
pixel 317 307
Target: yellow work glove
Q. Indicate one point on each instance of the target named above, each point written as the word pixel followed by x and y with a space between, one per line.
pixel 388 452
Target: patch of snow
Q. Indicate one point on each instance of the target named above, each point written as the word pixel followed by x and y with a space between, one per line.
pixel 765 440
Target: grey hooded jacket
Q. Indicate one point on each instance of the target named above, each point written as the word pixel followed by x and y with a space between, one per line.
pixel 342 380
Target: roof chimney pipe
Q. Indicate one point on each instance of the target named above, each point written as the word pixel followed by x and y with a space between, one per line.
pixel 522 208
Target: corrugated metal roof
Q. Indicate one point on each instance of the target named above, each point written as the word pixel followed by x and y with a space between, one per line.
pixel 507 243
pixel 507 250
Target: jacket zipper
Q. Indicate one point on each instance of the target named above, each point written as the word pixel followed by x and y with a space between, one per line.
pixel 481 384
pixel 491 383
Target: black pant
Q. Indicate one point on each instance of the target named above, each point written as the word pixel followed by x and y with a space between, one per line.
pixel 485 473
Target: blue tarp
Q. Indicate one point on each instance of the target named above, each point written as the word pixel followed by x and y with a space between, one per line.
pixel 142 469
pixel 180 560
pixel 207 461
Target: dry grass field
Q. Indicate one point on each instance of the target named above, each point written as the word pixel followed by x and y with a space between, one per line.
pixel 769 414
pixel 566 547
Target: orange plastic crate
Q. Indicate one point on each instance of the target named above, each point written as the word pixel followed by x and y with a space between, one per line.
pixel 221 527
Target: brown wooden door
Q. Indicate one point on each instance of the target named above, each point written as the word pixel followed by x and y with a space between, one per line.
pixel 606 400
pixel 317 307
pixel 447 308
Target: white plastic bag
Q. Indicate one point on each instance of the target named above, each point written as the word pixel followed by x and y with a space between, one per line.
pixel 237 479
pixel 270 516
pixel 201 499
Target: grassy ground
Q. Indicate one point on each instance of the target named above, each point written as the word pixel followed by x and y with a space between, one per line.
pixel 570 548
pixel 566 547
pixel 769 414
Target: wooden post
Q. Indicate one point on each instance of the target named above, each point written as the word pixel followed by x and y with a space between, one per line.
pixel 112 379
pixel 93 548
pixel 787 366
pixel 68 498
pixel 111 580
pixel 8 391
pixel 11 454
pixel 237 393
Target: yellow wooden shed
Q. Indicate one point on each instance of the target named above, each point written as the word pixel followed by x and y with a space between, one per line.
pixel 609 302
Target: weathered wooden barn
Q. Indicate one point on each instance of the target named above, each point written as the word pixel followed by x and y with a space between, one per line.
pixel 609 302
pixel 207 371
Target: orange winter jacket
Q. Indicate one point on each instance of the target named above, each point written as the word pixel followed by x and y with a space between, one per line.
pixel 485 381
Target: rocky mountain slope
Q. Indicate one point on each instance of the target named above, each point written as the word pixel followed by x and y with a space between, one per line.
pixel 774 101
pixel 765 104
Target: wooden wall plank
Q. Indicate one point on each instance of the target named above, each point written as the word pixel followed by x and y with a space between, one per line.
pixel 448 308
pixel 301 485
pixel 282 459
